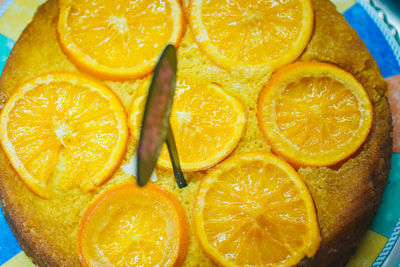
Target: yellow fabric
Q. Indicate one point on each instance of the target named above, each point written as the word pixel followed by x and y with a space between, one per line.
pixel 19 260
pixel 369 249
pixel 343 5
pixel 17 16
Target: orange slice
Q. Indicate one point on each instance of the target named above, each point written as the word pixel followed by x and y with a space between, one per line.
pixel 118 40
pixel 251 34
pixel 133 226
pixel 254 210
pixel 207 123
pixel 314 114
pixel 61 115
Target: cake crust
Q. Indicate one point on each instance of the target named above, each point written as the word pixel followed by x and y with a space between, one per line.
pixel 346 198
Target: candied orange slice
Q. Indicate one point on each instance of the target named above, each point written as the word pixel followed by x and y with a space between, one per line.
pixel 133 226
pixel 314 114
pixel 118 40
pixel 251 34
pixel 61 117
pixel 254 210
pixel 207 123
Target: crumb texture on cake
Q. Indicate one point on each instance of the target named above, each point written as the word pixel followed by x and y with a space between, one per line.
pixel 346 198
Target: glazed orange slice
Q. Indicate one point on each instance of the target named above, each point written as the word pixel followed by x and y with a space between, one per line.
pixel 254 210
pixel 133 226
pixel 118 40
pixel 60 122
pixel 207 123
pixel 314 114
pixel 251 34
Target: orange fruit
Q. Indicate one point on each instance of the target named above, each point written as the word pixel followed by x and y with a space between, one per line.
pixel 134 226
pixel 207 123
pixel 254 210
pixel 61 117
pixel 252 34
pixel 118 40
pixel 314 114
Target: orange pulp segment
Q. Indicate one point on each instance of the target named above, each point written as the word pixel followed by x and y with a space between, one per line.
pixel 251 34
pixel 254 210
pixel 207 123
pixel 314 114
pixel 64 113
pixel 133 226
pixel 118 40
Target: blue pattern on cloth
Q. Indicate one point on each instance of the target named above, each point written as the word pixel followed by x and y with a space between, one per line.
pixel 389 210
pixel 9 246
pixel 375 40
pixel 6 44
pixel 388 247
pixel 381 20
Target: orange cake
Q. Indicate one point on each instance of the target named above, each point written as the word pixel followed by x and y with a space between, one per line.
pixel 280 117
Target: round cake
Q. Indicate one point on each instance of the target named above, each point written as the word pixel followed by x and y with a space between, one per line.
pixel 346 194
